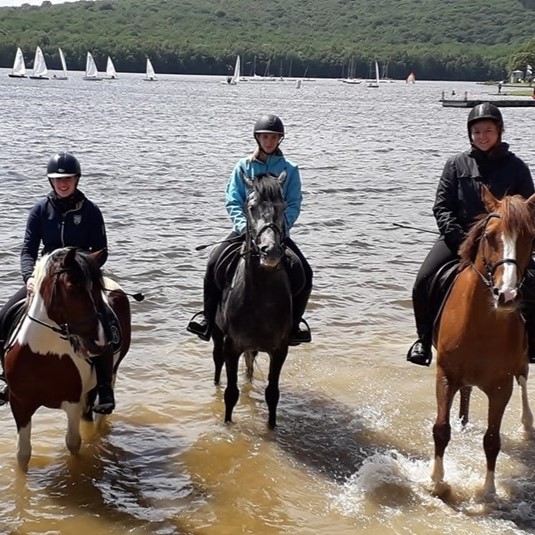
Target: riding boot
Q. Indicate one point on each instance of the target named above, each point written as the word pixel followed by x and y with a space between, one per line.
pixel 300 335
pixel 530 329
pixel 420 352
pixel 202 322
pixel 104 370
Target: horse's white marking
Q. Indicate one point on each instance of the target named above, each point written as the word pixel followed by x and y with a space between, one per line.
pixel 509 279
pixel 527 415
pixel 24 446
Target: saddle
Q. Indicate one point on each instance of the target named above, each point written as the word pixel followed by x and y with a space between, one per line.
pixel 10 321
pixel 226 266
pixel 440 287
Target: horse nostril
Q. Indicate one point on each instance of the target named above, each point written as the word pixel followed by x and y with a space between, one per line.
pixel 264 249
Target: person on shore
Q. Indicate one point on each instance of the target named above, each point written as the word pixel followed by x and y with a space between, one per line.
pixel 458 202
pixel 267 158
pixel 65 217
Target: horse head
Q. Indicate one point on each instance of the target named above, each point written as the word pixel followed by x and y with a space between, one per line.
pixel 264 210
pixel 499 246
pixel 70 285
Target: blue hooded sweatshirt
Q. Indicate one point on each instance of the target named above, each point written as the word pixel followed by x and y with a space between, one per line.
pixel 236 192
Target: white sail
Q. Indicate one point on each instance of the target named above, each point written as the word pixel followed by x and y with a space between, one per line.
pixel 377 72
pixel 151 75
pixel 111 73
pixel 91 72
pixel 237 69
pixel 40 69
pixel 19 67
pixel 63 65
pixel 376 83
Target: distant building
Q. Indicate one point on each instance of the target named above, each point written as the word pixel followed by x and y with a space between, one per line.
pixel 516 77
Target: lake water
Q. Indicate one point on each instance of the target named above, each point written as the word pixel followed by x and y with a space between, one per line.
pixel 352 451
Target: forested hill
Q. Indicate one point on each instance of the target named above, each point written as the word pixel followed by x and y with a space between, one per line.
pixel 438 39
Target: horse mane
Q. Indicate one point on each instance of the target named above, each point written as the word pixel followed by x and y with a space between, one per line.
pixel 267 187
pixel 515 218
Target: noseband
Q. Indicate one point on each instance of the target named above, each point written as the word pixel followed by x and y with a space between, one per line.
pixel 491 267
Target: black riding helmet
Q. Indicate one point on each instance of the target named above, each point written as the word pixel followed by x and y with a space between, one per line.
pixel 485 110
pixel 63 164
pixel 268 124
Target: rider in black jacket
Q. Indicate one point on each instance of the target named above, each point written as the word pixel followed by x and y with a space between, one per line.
pixel 457 205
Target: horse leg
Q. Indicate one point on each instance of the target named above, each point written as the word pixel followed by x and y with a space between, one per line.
pixel 73 440
pixel 250 357
pixel 218 354
pixel 464 406
pixel 277 359
pixel 445 392
pixel 23 419
pixel 527 415
pixel 232 392
pixel 498 399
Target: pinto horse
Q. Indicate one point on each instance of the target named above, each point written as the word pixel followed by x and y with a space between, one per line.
pixel 481 336
pixel 256 309
pixel 47 359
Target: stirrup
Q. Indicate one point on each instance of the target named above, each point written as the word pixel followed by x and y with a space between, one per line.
pixel 301 336
pixel 196 327
pixel 106 407
pixel 422 358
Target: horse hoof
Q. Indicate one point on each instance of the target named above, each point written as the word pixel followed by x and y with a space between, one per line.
pixel 441 489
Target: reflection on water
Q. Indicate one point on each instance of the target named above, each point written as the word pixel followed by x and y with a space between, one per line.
pixel 352 451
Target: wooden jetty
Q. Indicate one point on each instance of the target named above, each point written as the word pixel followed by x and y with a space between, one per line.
pixel 501 103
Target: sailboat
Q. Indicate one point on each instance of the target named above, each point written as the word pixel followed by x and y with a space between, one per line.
pixel 151 75
pixel 111 73
pixel 233 80
pixel 19 67
pixel 376 83
pixel 40 69
pixel 91 72
pixel 62 76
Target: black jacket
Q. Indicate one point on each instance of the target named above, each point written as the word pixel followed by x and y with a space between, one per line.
pixel 458 200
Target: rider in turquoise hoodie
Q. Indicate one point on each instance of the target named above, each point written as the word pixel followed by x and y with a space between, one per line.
pixel 275 164
pixel 268 158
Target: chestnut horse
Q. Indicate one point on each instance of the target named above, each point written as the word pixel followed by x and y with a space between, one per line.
pixel 481 337
pixel 256 310
pixel 47 359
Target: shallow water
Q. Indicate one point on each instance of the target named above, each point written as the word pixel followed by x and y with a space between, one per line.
pixel 351 453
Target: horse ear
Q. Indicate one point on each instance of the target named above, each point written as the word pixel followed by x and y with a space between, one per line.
pixel 96 256
pixel 247 181
pixel 531 204
pixel 282 177
pixel 70 257
pixel 490 202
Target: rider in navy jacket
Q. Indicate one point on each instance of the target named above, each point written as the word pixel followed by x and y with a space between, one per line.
pixel 66 217
pixel 58 224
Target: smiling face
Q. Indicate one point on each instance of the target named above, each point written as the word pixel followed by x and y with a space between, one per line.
pixel 485 134
pixel 64 185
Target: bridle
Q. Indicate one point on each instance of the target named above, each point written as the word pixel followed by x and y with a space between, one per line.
pixel 65 329
pixel 490 267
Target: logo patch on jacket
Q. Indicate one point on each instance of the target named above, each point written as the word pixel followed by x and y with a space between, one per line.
pixel 77 219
